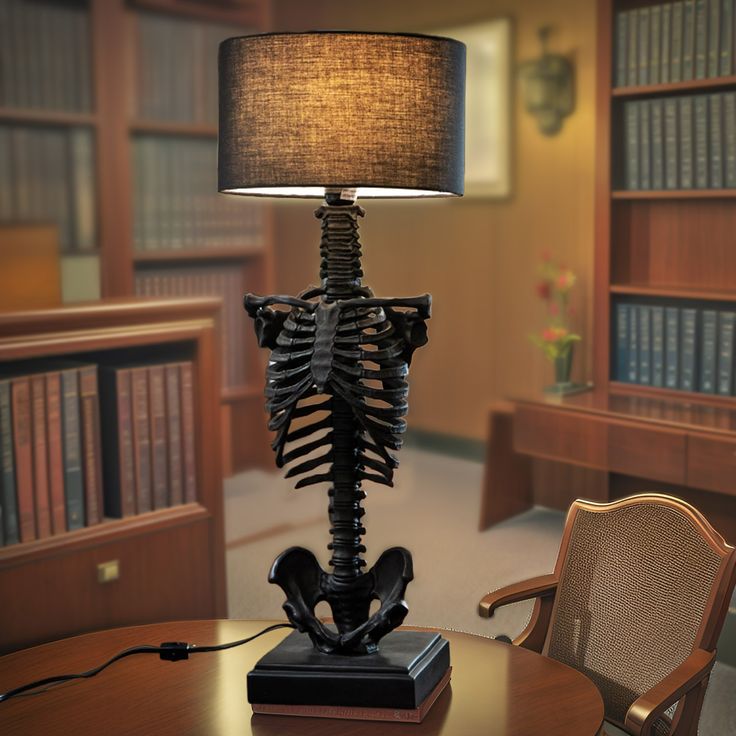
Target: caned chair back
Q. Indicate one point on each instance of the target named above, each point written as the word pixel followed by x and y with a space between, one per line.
pixel 642 583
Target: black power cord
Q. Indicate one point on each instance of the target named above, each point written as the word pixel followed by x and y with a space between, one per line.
pixel 170 651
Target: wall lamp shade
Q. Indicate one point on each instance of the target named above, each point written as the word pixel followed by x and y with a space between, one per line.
pixel 301 113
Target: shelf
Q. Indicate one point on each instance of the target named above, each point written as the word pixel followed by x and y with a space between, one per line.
pixel 198 254
pixel 47 117
pixel 686 86
pixel 677 292
pixel 161 127
pixel 673 194
pixel 685 399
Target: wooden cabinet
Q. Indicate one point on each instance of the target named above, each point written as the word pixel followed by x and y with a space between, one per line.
pixel 162 565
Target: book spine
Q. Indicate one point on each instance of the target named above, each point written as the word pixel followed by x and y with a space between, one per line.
pixel 688 39
pixel 702 161
pixel 715 118
pixel 633 371
pixel 645 148
pixel 40 456
pixel 56 454
pixel 187 426
pixel 708 351
pixel 632 49
pixel 666 44
pixel 655 43
pixel 677 44
pixel 141 439
pixel 656 109
pixel 645 345
pixel 21 403
pixel 91 443
pixel 729 138
pixel 125 439
pixel 631 112
pixel 622 342
pixel 688 349
pixel 81 166
pixel 621 38
pixel 701 39
pixel 73 476
pixel 8 497
pixel 726 66
pixel 672 347
pixel 658 346
pixel 643 34
pixel 174 434
pixel 157 412
pixel 671 158
pixel 714 37
pixel 686 142
pixel 726 323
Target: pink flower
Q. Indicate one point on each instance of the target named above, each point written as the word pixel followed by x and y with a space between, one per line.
pixel 565 281
pixel 544 290
pixel 553 334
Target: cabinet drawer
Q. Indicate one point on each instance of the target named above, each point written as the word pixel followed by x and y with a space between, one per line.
pixel 560 435
pixel 647 452
pixel 711 463
pixel 163 575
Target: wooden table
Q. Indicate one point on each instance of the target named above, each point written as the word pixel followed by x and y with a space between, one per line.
pixel 496 690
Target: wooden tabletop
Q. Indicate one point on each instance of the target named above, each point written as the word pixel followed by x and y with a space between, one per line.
pixel 496 690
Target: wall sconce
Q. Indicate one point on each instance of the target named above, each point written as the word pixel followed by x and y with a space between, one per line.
pixel 549 92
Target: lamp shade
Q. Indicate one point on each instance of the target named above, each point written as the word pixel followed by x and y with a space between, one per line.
pixel 304 112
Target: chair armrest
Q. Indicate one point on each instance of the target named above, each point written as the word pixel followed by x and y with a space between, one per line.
pixel 650 706
pixel 543 586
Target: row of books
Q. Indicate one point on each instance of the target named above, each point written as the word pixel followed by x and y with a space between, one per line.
pixel 176 203
pixel 177 67
pixel 686 348
pixel 47 175
pixel 45 55
pixel 674 42
pixel 213 280
pixel 681 142
pixel 55 452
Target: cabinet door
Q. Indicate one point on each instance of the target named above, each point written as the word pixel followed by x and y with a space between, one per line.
pixel 647 452
pixel 711 463
pixel 164 575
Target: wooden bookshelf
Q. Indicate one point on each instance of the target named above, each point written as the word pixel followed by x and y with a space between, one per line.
pixel 171 561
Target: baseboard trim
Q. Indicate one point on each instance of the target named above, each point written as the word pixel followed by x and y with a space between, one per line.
pixel 446 444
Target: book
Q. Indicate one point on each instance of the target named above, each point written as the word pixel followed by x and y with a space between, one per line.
pixel 631 122
pixel 708 351
pixel 726 323
pixel 119 462
pixel 632 49
pixel 715 117
pixel 701 133
pixel 658 346
pixel 726 63
pixel 729 139
pixel 40 456
pixel 157 413
pixel 621 38
pixel 633 370
pixel 688 40
pixel 672 347
pixel 643 36
pixel 677 44
pixel 81 168
pixel 688 349
pixel 645 148
pixel 645 344
pixel 72 446
pixel 655 45
pixel 665 58
pixel 91 443
pixel 701 39
pixel 8 500
pixel 187 427
pixel 55 452
pixel 671 148
pixel 622 342
pixel 141 438
pixel 714 37
pixel 686 143
pixel 23 457
pixel 656 113
pixel 174 434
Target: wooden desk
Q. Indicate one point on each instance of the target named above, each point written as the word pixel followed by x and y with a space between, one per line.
pixel 496 690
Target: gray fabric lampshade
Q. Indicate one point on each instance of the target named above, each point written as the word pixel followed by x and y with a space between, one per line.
pixel 302 112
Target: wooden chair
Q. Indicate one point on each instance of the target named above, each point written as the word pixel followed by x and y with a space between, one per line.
pixel 636 602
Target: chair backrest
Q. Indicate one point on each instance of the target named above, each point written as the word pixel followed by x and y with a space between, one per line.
pixel 642 583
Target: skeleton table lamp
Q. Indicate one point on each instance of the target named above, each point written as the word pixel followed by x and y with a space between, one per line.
pixel 340 115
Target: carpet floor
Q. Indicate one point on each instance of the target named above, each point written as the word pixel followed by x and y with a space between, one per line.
pixel 432 510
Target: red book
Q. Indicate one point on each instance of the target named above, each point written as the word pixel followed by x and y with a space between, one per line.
pixel 91 443
pixel 141 438
pixel 187 428
pixel 21 397
pixel 173 420
pixel 40 456
pixel 55 452
pixel 157 411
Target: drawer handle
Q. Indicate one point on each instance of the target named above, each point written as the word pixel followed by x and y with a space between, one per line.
pixel 108 571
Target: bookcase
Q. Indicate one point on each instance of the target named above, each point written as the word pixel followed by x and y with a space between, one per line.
pixel 662 413
pixel 168 562
pixel 108 128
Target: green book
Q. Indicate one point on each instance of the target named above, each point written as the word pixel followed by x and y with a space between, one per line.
pixel 714 37
pixel 631 122
pixel 645 345
pixel 665 44
pixel 729 139
pixel 726 324
pixel 643 65
pixel 701 130
pixel 8 498
pixel 688 349
pixel 688 39
pixel 633 372
pixel 632 49
pixel 708 351
pixel 715 118
pixel 701 39
pixel 677 42
pixel 622 342
pixel 726 41
pixel 672 347
pixel 658 346
pixel 686 143
pixel 621 37
pixel 655 43
pixel 671 147
pixel 656 113
pixel 645 148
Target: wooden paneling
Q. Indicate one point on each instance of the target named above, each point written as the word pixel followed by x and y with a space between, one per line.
pixel 556 485
pixel 711 463
pixel 655 453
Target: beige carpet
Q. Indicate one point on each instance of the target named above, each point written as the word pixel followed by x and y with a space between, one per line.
pixel 433 510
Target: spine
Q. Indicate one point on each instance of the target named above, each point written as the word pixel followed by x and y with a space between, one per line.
pixel 622 342
pixel 21 400
pixel 91 441
pixel 631 112
pixel 688 40
pixel 715 117
pixel 709 351
pixel 686 142
pixel 701 39
pixel 655 43
pixel 658 346
pixel 125 439
pixel 645 148
pixel 81 167
pixel 7 466
pixel 56 453
pixel 621 38
pixel 643 64
pixel 141 439
pixel 671 157
pixel 657 143
pixel 726 66
pixel 645 345
pixel 174 435
pixel 729 129
pixel 40 456
pixel 676 58
pixel 632 49
pixel 634 344
pixel 157 412
pixel 702 161
pixel 73 477
pixel 665 58
pixel 187 425
pixel 714 37
pixel 726 323
pixel 688 350
pixel 672 347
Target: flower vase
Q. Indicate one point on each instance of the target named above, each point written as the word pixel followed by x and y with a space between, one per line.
pixel 563 386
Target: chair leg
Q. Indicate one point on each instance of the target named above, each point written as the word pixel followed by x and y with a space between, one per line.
pixel 686 720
